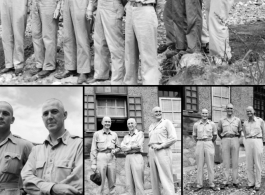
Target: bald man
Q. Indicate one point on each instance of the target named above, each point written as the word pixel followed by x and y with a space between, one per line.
pixel 14 152
pixel 162 135
pixel 254 132
pixel 205 133
pixel 132 146
pixel 56 166
pixel 105 145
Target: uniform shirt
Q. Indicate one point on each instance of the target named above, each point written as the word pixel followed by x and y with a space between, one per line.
pixel 227 126
pixel 103 141
pixel 162 133
pixel 254 128
pixel 49 164
pixel 204 130
pixel 14 152
pixel 135 140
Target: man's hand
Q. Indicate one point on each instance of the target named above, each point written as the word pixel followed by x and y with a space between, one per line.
pixel 113 151
pixel 56 13
pixel 89 15
pixel 94 168
pixel 125 148
pixel 157 146
pixel 64 189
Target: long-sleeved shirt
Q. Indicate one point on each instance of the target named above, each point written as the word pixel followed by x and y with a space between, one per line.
pixel 162 133
pixel 14 152
pixel 49 164
pixel 103 140
pixel 204 130
pixel 134 140
pixel 254 128
pixel 232 126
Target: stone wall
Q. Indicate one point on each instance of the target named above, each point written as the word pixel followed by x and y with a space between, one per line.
pixel 205 99
pixel 188 151
pixel 89 90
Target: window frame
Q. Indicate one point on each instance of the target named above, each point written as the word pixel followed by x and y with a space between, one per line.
pixel 197 98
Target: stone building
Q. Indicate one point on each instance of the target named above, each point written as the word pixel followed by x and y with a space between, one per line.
pixel 121 103
pixel 215 100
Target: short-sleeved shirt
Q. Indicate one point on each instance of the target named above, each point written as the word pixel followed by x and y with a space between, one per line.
pixel 102 141
pixel 135 139
pixel 204 130
pixel 49 164
pixel 254 128
pixel 162 132
pixel 14 153
pixel 229 126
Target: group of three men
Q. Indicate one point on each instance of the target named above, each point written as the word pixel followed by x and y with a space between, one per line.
pixel 140 37
pixel 229 130
pixel 54 167
pixel 105 145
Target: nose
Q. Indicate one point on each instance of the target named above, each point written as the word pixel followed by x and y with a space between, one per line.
pixel 50 115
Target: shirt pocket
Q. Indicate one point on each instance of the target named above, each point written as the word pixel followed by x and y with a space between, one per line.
pixel 63 168
pixel 199 132
pixel 101 144
pixel 209 131
pixel 257 128
pixel 12 163
pixel 39 168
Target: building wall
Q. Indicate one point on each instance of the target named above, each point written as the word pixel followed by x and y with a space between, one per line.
pixel 205 100
pixel 89 90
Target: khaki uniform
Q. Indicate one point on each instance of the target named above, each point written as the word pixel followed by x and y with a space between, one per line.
pixel 101 147
pixel 14 153
pixel 50 164
pixel 160 161
pixel 219 35
pixel 134 162
pixel 230 145
pixel 204 149
pixel 14 21
pixel 141 38
pixel 109 40
pixel 254 132
pixel 76 36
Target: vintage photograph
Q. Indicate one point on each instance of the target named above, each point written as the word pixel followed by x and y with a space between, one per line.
pixel 132 42
pixel 41 140
pixel 132 140
pixel 223 140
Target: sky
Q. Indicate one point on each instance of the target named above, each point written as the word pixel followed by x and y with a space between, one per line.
pixel 27 103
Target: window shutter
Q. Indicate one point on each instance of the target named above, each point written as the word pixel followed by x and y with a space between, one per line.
pixel 90 113
pixel 135 110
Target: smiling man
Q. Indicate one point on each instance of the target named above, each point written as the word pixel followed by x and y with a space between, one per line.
pixel 132 145
pixel 254 132
pixel 162 135
pixel 14 153
pixel 105 144
pixel 56 166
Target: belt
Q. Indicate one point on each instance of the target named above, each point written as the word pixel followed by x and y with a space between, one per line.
pixel 230 136
pixel 139 4
pixel 134 153
pixel 8 185
pixel 254 137
pixel 204 140
pixel 105 151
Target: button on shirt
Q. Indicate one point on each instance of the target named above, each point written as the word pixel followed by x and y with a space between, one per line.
pixel 103 141
pixel 204 130
pixel 254 128
pixel 162 132
pixel 135 140
pixel 229 126
pixel 49 164
pixel 14 152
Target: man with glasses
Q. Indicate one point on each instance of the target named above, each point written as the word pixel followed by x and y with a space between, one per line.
pixel 204 133
pixel 254 132
pixel 105 145
pixel 229 130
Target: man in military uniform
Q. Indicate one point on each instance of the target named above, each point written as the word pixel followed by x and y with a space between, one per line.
pixel 56 166
pixel 162 135
pixel 204 133
pixel 132 145
pixel 254 132
pixel 229 130
pixel 105 145
pixel 14 153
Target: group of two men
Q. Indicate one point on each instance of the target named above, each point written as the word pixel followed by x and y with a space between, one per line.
pixel 187 31
pixel 229 130
pixel 54 167
pixel 140 37
pixel 105 145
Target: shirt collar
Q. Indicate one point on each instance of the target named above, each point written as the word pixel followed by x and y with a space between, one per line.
pixel 64 138
pixel 105 132
pixel 233 118
pixel 135 132
pixel 254 119
pixel 208 121
pixel 9 137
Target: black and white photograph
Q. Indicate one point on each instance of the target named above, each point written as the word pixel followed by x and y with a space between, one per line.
pixel 223 140
pixel 41 140
pixel 132 140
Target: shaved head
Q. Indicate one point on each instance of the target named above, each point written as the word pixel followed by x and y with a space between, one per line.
pixel 204 110
pixel 131 120
pixel 251 108
pixel 156 108
pixel 54 101
pixel 8 106
pixel 106 118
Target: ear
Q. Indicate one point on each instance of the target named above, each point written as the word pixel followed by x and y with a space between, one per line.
pixel 65 115
pixel 13 120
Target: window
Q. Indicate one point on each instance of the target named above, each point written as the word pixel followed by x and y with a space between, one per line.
pixel 171 108
pixel 114 107
pixel 191 98
pixel 135 110
pixel 90 113
pixel 259 101
pixel 111 90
